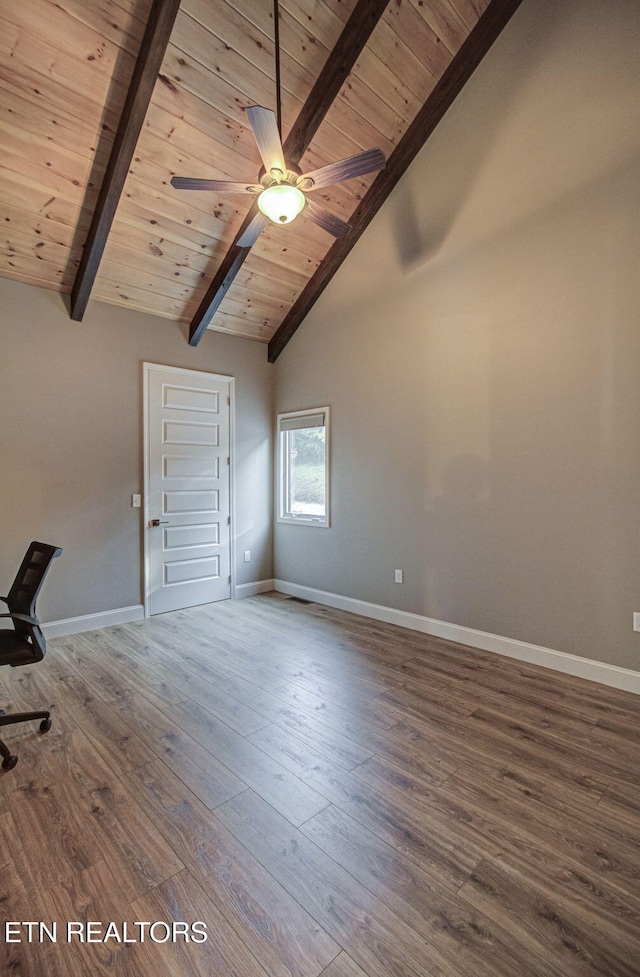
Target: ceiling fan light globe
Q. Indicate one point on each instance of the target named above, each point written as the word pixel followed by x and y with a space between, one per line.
pixel 281 203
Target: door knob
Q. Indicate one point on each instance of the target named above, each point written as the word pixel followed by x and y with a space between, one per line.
pixel 159 522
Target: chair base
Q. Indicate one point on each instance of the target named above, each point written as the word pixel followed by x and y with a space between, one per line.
pixel 8 718
pixel 9 760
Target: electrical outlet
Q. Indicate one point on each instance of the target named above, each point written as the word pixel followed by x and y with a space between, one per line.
pixel 135 501
pixel 636 621
pixel 399 576
pixel 247 556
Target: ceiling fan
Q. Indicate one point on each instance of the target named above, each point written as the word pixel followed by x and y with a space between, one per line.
pixel 282 188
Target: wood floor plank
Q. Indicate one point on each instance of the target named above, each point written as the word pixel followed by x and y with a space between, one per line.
pixel 340 749
pixel 209 656
pixel 183 898
pixel 248 662
pixel 257 626
pixel 483 948
pixel 623 725
pixel 408 677
pixel 100 892
pixel 59 959
pixel 518 781
pixel 537 917
pixel 414 735
pixel 354 725
pixel 284 937
pixel 138 856
pixel 340 692
pixel 59 835
pixel 110 824
pixel 418 753
pixel 193 686
pixel 92 655
pixel 486 686
pixel 343 966
pixel 377 939
pixel 360 676
pixel 531 684
pixel 209 779
pixel 606 763
pixel 293 753
pixel 433 705
pixel 77 704
pixel 428 842
pixel 335 745
pixel 282 789
pixel 13 895
pixel 545 825
pixel 619 809
pixel 206 665
pixel 386 776
pixel 482 676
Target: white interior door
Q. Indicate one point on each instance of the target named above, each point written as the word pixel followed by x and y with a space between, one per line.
pixel 187 488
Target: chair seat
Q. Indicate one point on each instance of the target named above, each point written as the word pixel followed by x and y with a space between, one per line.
pixel 16 650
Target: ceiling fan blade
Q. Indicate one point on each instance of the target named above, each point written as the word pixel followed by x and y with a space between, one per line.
pixel 344 169
pixel 325 219
pixel 221 186
pixel 253 231
pixel 265 129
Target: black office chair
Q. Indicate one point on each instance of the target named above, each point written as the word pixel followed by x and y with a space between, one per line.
pixel 25 644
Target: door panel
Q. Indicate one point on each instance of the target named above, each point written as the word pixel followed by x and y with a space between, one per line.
pixel 188 473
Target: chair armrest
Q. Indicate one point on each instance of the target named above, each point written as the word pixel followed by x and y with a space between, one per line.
pixel 4 600
pixel 23 617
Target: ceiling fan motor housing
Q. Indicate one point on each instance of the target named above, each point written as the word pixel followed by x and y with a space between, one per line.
pixel 292 174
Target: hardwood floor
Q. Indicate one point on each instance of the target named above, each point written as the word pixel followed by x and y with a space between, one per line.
pixel 328 794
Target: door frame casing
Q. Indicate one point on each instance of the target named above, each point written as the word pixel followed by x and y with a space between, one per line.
pixel 147 369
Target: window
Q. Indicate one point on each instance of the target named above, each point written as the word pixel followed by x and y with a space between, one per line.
pixel 303 467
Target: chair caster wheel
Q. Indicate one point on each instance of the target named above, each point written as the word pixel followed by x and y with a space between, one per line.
pixel 9 762
pixel 45 725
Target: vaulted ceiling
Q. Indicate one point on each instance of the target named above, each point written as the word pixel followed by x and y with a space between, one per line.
pixel 356 74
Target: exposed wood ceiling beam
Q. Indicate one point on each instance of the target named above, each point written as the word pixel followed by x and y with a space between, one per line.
pixel 344 55
pixel 154 44
pixel 490 25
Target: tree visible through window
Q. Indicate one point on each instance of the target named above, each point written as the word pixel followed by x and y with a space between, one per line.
pixel 303 467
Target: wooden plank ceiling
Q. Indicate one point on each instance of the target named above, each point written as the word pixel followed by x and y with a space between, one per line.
pixel 65 68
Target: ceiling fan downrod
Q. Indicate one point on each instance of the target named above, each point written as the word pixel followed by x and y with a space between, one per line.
pixel 276 39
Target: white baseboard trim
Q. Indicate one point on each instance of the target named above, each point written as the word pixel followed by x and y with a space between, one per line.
pixel 90 622
pixel 560 661
pixel 256 587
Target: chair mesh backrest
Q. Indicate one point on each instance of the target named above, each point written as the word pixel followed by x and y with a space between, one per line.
pixel 21 599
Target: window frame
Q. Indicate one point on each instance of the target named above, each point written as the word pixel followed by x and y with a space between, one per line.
pixel 320 522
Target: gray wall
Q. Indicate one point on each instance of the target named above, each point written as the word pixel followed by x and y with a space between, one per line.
pixel 71 443
pixel 480 351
